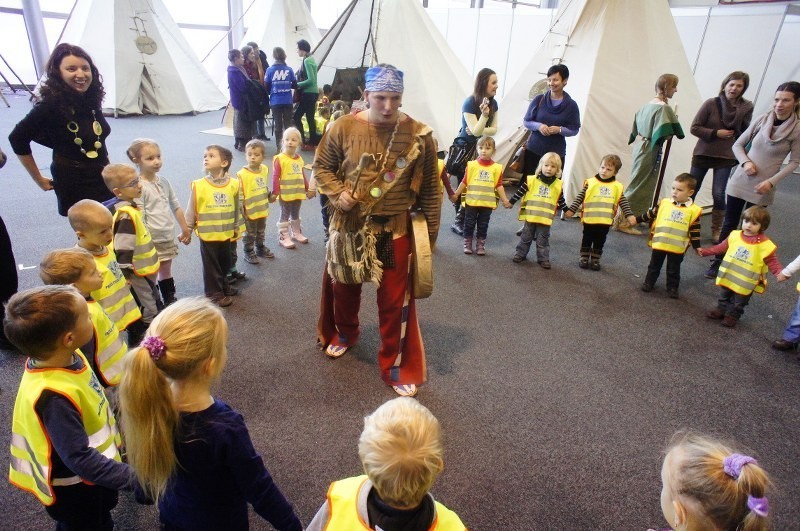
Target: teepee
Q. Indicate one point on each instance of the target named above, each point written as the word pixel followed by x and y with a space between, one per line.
pixel 146 64
pixel 399 32
pixel 282 23
pixel 615 50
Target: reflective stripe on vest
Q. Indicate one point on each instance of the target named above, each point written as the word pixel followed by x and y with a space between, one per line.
pixel 670 232
pixel 115 296
pixel 540 201
pixel 293 185
pixel 31 449
pixel 600 201
pixel 145 257
pixel 743 269
pixel 215 206
pixel 110 348
pixel 482 184
pixel 344 515
pixel 255 192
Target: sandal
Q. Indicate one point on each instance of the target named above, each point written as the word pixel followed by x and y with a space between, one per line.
pixel 335 351
pixel 405 389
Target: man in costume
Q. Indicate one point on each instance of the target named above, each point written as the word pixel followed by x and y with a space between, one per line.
pixel 375 167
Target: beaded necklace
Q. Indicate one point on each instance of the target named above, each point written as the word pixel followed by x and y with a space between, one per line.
pixel 72 127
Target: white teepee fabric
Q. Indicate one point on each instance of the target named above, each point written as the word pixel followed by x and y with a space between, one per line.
pixel 615 51
pixel 146 64
pixel 282 23
pixel 401 33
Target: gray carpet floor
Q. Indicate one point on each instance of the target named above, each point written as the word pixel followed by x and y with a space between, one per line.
pixel 555 412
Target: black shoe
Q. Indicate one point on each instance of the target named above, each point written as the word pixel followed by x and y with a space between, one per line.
pixel 782 344
pixel 672 293
pixel 584 263
pixel 647 288
pixel 517 258
pixel 264 252
pixel 235 276
pixel 712 271
pixel 455 227
pixel 596 265
pixel 230 291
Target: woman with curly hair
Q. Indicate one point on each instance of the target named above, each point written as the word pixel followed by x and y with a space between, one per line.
pixel 69 120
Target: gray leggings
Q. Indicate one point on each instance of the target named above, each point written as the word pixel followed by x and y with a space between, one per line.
pixel 290 209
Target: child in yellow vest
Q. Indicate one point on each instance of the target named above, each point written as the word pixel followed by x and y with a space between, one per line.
pixel 483 184
pixel 136 254
pixel 707 485
pixel 106 349
pixel 291 187
pixel 92 223
pixel 599 200
pixel 791 335
pixel 255 201
pixel 541 197
pixel 65 444
pixel 160 212
pixel 401 453
pixel 749 253
pixel 675 226
pixel 214 213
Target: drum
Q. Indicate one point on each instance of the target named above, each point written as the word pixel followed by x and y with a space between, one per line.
pixel 422 261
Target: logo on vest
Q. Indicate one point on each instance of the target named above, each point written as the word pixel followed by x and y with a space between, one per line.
pixel 676 216
pixel 94 383
pixel 605 191
pixel 296 167
pixel 544 191
pixel 260 182
pixel 220 199
pixel 484 176
pixel 113 266
pixel 742 254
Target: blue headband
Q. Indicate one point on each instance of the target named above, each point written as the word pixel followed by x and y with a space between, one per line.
pixel 381 79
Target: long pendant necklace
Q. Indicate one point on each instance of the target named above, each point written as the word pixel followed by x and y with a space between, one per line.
pixel 72 127
pixel 387 176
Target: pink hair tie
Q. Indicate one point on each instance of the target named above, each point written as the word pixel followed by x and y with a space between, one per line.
pixel 734 463
pixel 155 346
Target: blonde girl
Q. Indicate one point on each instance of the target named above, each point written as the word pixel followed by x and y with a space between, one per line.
pixel 291 187
pixel 191 452
pixel 708 486
pixel 160 211
pixel 542 196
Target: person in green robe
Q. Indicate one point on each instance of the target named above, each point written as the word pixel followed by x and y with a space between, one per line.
pixel 654 123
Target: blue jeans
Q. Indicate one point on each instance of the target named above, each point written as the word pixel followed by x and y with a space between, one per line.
pixel 721 176
pixel 792 332
pixel 476 216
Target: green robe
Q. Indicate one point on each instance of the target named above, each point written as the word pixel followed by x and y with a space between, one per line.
pixel 653 124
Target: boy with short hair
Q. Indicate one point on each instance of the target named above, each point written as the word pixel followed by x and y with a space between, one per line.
pixel 676 226
pixel 749 253
pixel 599 200
pixel 136 253
pixel 92 223
pixel 65 444
pixel 106 349
pixel 401 452
pixel 256 198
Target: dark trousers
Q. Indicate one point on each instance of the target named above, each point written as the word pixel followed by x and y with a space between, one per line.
pixel 721 176
pixel 731 303
pixel 594 238
pixel 282 116
pixel 532 161
pixel 476 216
pixel 307 106
pixel 733 215
pixel 9 282
pixel 674 261
pixel 324 201
pixel 216 259
pixel 83 507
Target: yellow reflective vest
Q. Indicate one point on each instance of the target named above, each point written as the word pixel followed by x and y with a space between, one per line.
pixel 292 183
pixel 145 258
pixel 670 231
pixel 540 201
pixel 344 514
pixel 600 201
pixel 482 184
pixel 31 465
pixel 255 192
pixel 743 269
pixel 115 295
pixel 217 210
pixel 110 348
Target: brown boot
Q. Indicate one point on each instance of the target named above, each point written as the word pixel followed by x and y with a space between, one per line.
pixel 481 247
pixel 717 217
pixel 467 245
pixel 729 321
pixel 715 314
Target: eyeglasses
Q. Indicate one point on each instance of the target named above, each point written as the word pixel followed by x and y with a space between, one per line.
pixel 131 184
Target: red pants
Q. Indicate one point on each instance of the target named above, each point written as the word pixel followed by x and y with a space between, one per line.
pixel 402 361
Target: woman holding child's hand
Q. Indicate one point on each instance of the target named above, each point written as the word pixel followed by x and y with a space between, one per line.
pixel 69 120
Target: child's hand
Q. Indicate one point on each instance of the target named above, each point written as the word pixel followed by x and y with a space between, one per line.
pixel 310 194
pixel 701 251
pixel 186 236
pixel 271 198
pixel 782 277
pixel 632 220
pixel 568 213
pixel 454 198
pixel 507 203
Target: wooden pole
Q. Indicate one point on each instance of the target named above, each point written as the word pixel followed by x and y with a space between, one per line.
pixel 661 171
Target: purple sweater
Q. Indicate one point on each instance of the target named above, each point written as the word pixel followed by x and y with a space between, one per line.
pixel 237 84
pixel 542 111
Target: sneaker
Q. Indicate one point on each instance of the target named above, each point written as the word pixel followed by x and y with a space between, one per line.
pixel 230 291
pixel 234 276
pixel 517 258
pixel 596 265
pixel 715 314
pixel 223 301
pixel 405 389
pixel 519 231
pixel 545 264
pixel 647 288
pixel 729 321
pixel 712 271
pixel 584 263
pixel 335 351
pixel 251 258
pixel 264 252
pixel 672 293
pixel 782 344
pixel 458 229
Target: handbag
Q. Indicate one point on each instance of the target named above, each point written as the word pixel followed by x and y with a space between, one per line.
pixel 461 151
pixel 352 257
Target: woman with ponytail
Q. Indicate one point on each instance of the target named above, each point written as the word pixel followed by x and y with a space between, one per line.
pixel 191 452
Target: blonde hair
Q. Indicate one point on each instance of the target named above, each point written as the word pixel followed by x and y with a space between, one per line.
pixel 84 215
pixel 65 266
pixel 553 158
pixel 291 131
pixel 194 332
pixel 612 160
pixel 700 474
pixel 256 144
pixel 134 151
pixel 401 451
pixel 118 175
pixel 664 82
